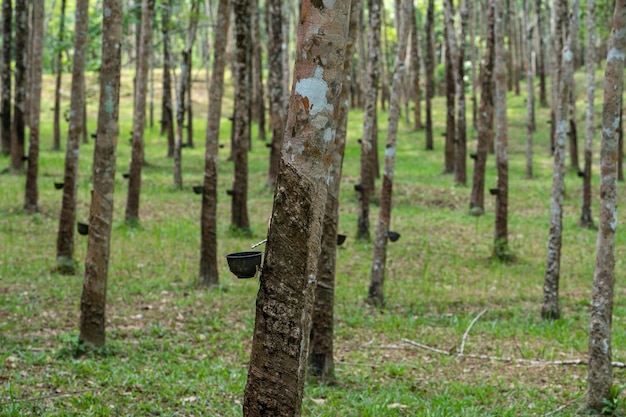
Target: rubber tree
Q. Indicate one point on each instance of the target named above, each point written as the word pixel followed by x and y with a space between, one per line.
pixel 31 195
pixel 451 57
pixel 377 276
pixel 600 371
pixel 586 218
pixel 65 236
pixel 19 103
pixel 460 164
pixel 288 279
pixel 5 117
pixel 501 240
pixel 429 69
pixel 209 274
pixel 93 298
pixel 530 92
pixel 275 86
pixel 56 143
pixel 550 309
pixel 167 114
pixel 139 113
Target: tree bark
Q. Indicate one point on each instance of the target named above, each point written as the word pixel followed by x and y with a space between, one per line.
pixel 550 309
pixel 31 195
pixel 7 25
pixel 258 91
pixel 429 67
pixel 530 95
pixel 501 245
pixel 460 164
pixel 65 237
pixel 59 74
pixel 167 116
pixel 541 61
pixel 209 274
pixel 485 120
pixel 321 362
pixel 474 59
pixel 275 86
pixel 139 113
pixel 288 279
pixel 369 140
pixel 415 69
pixel 21 42
pixel 241 124
pixel 377 275
pixel 600 371
pixel 93 298
pixel 451 76
pixel 573 10
pixel 586 219
pixel 560 15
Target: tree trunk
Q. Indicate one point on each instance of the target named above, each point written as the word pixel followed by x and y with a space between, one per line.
pixel 7 25
pixel 485 120
pixel 451 76
pixel 560 15
pixel 139 113
pixel 321 362
pixel 600 371
pixel 275 86
pixel 550 309
pixel 460 165
pixel 188 97
pixel 241 125
pixel 59 74
pixel 209 274
pixel 586 219
pixel 32 193
pixel 530 96
pixel 167 116
pixel 429 66
pixel 258 92
pixel 541 61
pixel 501 245
pixel 415 69
pixel 21 42
pixel 473 13
pixel 370 123
pixel 93 299
pixel 65 236
pixel 573 10
pixel 377 275
pixel 288 280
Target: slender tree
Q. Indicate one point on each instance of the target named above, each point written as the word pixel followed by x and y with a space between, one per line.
pixel 369 140
pixel 600 371
pixel 93 299
pixel 65 236
pixel 415 69
pixel 139 113
pixel 377 275
pixel 574 10
pixel 59 75
pixel 560 20
pixel 530 95
pixel 550 309
pixel 167 114
pixel 258 92
pixel 501 245
pixel 321 362
pixel 19 104
pixel 5 116
pixel 429 67
pixel 275 86
pixel 451 58
pixel 288 279
pixel 541 72
pixel 241 125
pixel 586 219
pixel 31 196
pixel 209 274
pixel 485 120
pixel 460 165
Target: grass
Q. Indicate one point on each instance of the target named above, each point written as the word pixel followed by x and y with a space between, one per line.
pixel 176 350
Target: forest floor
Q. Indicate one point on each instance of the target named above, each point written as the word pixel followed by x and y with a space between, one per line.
pixel 174 349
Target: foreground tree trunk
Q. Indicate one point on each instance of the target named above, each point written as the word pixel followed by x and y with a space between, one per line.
pixel 288 280
pixel 321 361
pixel 429 67
pixel 93 299
pixel 600 371
pixel 209 274
pixel 550 309
pixel 485 120
pixel 275 86
pixel 586 219
pixel 501 240
pixel 167 114
pixel 377 276
pixel 21 41
pixel 59 74
pixel 451 76
pixel 5 132
pixel 369 141
pixel 460 164
pixel 530 96
pixel 65 236
pixel 32 192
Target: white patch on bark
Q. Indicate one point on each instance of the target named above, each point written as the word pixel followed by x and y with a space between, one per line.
pixel 390 152
pixel 615 54
pixel 329 4
pixel 328 134
pixel 314 89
